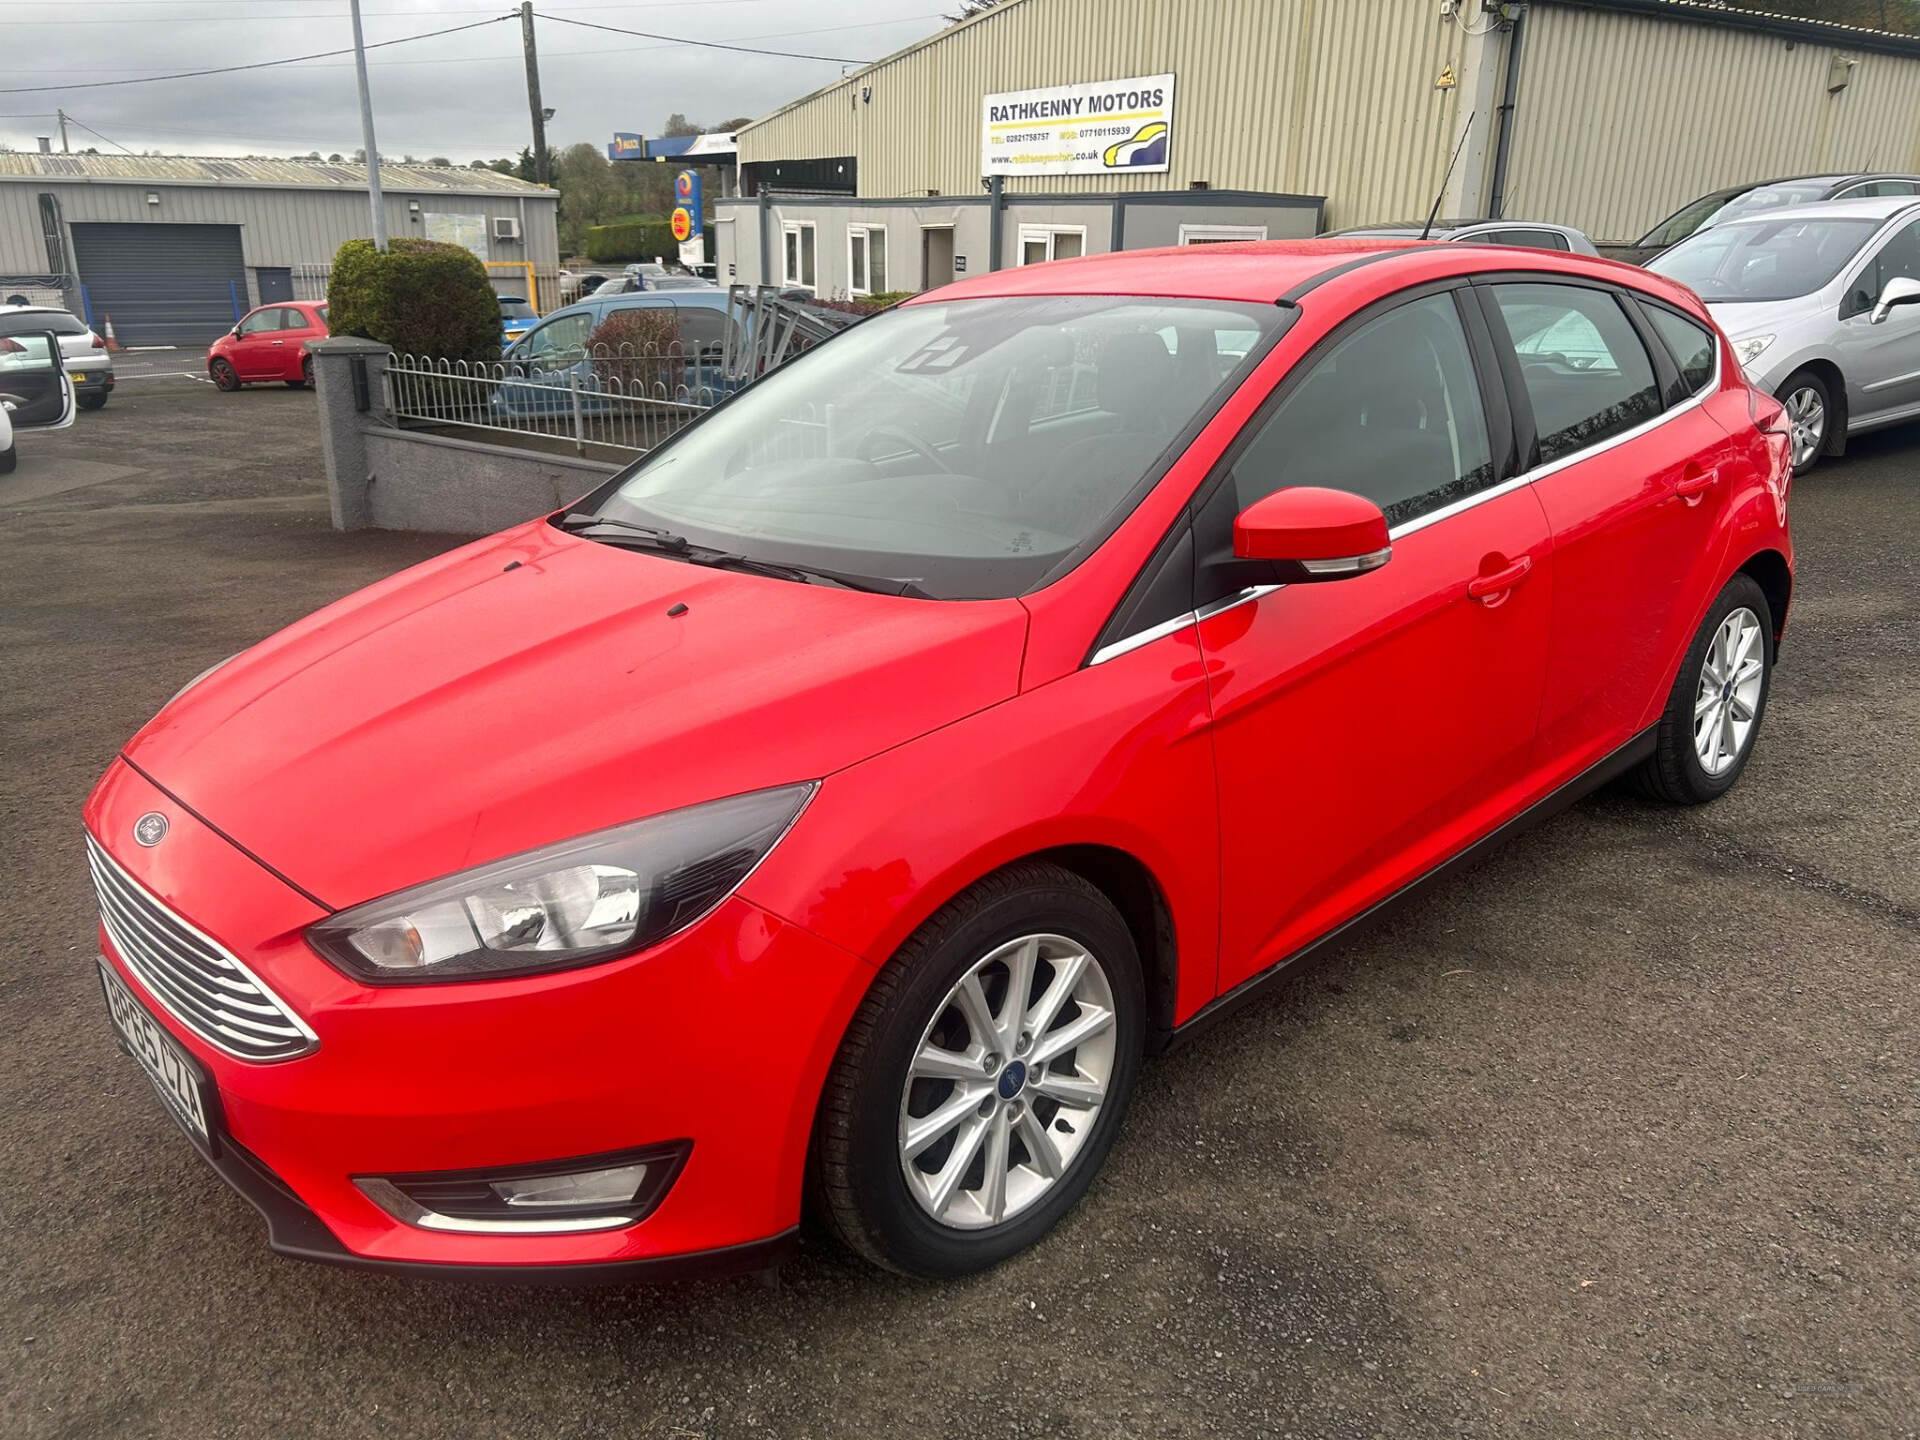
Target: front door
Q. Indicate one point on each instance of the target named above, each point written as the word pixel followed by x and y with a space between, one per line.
pixel 1367 728
pixel 1881 362
pixel 34 389
pixel 255 354
pixel 275 282
pixel 936 257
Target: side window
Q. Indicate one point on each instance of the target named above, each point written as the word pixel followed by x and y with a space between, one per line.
pixel 1691 344
pixel 293 319
pixel 1391 412
pixel 560 339
pixel 1586 372
pixel 261 321
pixel 703 331
pixel 1899 256
pixel 1532 239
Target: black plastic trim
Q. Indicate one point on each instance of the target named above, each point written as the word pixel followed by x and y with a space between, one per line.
pixel 1333 272
pixel 1252 988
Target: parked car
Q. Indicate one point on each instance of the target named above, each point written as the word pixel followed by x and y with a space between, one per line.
pixel 849 793
pixel 1738 200
pixel 89 364
pixel 590 283
pixel 1533 234
pixel 1820 302
pixel 269 343
pixel 516 318
pixel 36 389
pixel 550 366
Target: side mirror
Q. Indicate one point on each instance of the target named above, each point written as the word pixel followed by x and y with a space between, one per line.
pixel 1899 291
pixel 1311 534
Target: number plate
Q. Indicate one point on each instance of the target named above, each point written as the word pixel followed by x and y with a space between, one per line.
pixel 77 377
pixel 175 1074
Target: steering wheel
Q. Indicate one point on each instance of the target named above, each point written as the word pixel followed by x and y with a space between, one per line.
pixel 918 447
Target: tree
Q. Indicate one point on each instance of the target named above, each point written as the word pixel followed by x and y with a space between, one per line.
pixel 360 157
pixel 969 9
pixel 336 157
pixel 678 125
pixel 525 168
pixel 739 122
pixel 313 155
pixel 440 160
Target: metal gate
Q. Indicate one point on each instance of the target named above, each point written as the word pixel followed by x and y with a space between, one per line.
pixel 161 284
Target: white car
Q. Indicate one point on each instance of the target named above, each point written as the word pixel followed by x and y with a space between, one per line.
pixel 35 391
pixel 88 364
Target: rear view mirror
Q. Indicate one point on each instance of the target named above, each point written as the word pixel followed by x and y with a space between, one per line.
pixel 1899 291
pixel 1311 534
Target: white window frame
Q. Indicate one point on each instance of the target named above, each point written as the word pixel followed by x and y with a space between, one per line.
pixel 1048 233
pixel 1220 234
pixel 858 284
pixel 794 227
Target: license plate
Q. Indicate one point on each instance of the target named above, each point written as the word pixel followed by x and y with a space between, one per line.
pixel 78 377
pixel 176 1076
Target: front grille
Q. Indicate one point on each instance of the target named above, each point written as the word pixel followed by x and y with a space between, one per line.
pixel 199 982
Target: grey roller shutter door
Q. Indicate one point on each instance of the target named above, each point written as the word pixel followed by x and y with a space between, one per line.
pixel 162 284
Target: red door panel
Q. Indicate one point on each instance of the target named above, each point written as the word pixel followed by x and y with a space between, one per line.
pixel 1366 729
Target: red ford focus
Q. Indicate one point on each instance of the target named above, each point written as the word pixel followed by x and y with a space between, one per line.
pixel 839 802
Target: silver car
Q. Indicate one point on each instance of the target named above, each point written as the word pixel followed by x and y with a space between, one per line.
pixel 1533 234
pixel 1822 303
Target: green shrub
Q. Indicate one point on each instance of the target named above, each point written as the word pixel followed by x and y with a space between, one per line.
pixel 626 240
pixel 421 297
pixel 863 304
pixel 639 349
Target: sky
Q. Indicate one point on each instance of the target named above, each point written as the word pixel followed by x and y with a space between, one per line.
pixel 462 96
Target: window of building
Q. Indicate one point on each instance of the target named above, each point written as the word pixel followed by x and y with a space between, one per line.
pixel 1691 345
pixel 1220 234
pixel 1391 412
pixel 799 262
pixel 867 259
pixel 1041 243
pixel 1585 369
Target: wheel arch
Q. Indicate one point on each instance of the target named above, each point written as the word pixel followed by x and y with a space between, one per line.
pixel 1771 572
pixel 1132 888
pixel 1836 383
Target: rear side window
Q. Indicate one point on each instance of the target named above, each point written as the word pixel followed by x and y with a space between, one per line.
pixel 1691 345
pixel 1391 412
pixel 292 319
pixel 1586 372
pixel 1532 239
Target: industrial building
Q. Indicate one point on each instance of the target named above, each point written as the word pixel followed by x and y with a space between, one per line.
pixel 1028 131
pixel 175 250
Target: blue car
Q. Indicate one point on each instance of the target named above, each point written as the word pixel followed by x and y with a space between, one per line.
pixel 517 317
pixel 548 365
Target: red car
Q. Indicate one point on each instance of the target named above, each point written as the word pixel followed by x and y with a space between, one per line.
pixel 842 800
pixel 270 343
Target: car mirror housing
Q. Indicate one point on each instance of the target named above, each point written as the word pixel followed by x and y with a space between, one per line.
pixel 1899 291
pixel 1312 534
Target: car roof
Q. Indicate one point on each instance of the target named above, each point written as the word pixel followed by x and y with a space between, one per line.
pixel 1877 207
pixel 642 299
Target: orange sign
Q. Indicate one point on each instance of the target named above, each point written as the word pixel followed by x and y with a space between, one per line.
pixel 682 223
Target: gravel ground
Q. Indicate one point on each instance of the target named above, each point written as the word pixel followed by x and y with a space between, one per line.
pixel 1615 1136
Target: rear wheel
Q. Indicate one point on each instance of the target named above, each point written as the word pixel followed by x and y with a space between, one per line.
pixel 1809 407
pixel 306 374
pixel 982 1083
pixel 223 375
pixel 9 458
pixel 1713 716
pixel 93 402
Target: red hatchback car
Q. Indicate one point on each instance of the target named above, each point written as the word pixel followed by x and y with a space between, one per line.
pixel 844 798
pixel 268 344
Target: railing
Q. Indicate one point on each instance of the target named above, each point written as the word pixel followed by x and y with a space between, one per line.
pixel 625 397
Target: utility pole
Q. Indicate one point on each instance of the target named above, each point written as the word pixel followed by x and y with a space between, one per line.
pixel 541 172
pixel 366 134
pixel 63 132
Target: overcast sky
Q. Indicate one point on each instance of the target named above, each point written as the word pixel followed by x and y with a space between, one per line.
pixel 462 96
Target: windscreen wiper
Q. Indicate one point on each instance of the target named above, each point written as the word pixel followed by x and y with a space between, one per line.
pixel 663 539
pixel 786 570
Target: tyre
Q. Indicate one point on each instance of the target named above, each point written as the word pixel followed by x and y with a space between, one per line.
pixel 93 402
pixel 306 375
pixel 9 458
pixel 982 1082
pixel 1712 719
pixel 1809 407
pixel 223 375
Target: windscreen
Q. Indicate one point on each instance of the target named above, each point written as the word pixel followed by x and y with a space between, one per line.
pixel 517 309
pixel 969 447
pixel 1759 260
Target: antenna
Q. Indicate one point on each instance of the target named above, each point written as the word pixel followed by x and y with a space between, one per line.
pixel 1433 214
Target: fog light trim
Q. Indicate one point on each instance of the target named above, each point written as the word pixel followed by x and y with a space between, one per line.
pixel 532 1199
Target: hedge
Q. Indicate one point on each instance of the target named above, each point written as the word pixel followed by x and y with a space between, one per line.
pixel 627 240
pixel 421 297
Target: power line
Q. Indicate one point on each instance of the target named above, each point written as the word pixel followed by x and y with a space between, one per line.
pixel 97 135
pixel 256 65
pixel 703 44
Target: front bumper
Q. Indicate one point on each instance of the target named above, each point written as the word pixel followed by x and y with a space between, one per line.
pixel 720 1035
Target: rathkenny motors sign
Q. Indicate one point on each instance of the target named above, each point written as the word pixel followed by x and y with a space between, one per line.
pixel 1079 129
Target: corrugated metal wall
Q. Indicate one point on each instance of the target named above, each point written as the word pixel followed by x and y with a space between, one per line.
pixel 1332 97
pixel 1622 119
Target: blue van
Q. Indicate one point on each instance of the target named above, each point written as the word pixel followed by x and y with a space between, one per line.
pixel 546 365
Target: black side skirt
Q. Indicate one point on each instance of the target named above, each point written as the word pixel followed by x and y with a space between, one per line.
pixel 1250 989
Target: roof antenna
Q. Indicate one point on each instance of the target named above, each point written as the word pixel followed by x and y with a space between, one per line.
pixel 1465 131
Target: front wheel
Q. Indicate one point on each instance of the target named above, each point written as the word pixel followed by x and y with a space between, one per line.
pixel 224 376
pixel 1712 719
pixel 984 1078
pixel 1809 407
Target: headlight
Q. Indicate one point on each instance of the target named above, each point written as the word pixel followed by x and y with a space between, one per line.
pixel 575 903
pixel 1749 350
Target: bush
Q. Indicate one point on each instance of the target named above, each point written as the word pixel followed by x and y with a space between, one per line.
pixel 641 350
pixel 863 304
pixel 626 240
pixel 421 297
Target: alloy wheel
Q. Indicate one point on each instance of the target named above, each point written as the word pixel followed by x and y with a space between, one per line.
pixel 1807 417
pixel 1727 702
pixel 1007 1081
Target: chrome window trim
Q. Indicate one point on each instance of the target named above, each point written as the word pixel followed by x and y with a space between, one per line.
pixel 1434 517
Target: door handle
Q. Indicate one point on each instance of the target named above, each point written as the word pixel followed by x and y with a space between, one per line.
pixel 1491 589
pixel 279 342
pixel 1696 481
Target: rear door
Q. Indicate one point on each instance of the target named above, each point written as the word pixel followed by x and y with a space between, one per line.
pixel 34 389
pixel 1366 729
pixel 1628 464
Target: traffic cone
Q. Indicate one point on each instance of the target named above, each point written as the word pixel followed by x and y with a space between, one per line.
pixel 113 344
